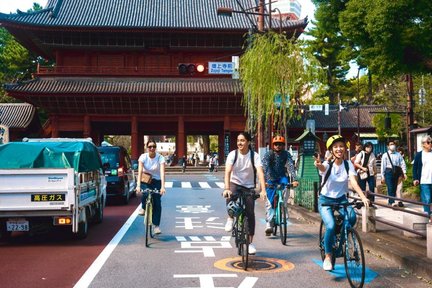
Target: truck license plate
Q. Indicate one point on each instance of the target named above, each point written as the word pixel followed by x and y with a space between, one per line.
pixel 18 225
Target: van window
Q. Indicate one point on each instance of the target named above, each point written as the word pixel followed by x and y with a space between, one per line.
pixel 110 159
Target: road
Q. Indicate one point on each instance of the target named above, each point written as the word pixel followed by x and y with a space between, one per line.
pixel 192 251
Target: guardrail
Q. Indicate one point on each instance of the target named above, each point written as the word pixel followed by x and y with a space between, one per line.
pixel 369 219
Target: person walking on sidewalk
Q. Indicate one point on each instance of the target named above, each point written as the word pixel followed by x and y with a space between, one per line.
pixel 275 164
pixel 154 164
pixel 365 162
pixel 242 167
pixel 392 167
pixel 422 172
pixel 333 190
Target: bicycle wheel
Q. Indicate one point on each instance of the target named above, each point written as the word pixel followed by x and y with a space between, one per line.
pixel 245 243
pixel 321 244
pixel 354 259
pixel 148 223
pixel 283 222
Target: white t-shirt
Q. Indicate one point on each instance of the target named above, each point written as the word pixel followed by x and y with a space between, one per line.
pixel 242 172
pixel 426 175
pixel 337 183
pixel 152 165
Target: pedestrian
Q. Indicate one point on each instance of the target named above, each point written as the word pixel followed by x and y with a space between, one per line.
pixel 392 167
pixel 216 163
pixel 275 164
pixel 153 164
pixel 400 179
pixel 184 163
pixel 242 167
pixel 333 190
pixel 422 172
pixel 358 148
pixel 365 163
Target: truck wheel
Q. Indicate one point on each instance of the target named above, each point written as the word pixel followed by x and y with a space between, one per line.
pixel 99 212
pixel 82 228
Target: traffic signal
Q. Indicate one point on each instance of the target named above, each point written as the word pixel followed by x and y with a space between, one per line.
pixel 191 69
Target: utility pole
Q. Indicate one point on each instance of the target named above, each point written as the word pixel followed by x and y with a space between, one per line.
pixel 410 115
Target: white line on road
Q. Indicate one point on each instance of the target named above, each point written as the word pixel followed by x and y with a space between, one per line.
pixel 220 184
pixel 168 184
pixel 94 269
pixel 186 185
pixel 204 185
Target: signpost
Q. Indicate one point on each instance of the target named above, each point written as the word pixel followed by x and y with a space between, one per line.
pixel 221 67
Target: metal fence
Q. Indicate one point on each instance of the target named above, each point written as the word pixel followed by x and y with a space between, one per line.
pixel 306 194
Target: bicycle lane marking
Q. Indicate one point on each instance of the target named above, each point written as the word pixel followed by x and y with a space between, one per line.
pixel 339 271
pixel 96 266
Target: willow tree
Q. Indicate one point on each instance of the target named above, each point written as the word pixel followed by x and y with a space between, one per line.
pixel 275 72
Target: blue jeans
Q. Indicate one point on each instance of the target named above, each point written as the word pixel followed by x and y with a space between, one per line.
pixel 371 183
pixel 157 206
pixel 329 221
pixel 270 205
pixel 425 196
pixel 391 184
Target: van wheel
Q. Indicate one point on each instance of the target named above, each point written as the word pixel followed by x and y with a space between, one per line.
pixel 99 212
pixel 126 197
pixel 82 228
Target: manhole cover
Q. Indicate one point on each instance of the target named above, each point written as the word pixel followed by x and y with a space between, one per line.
pixel 256 264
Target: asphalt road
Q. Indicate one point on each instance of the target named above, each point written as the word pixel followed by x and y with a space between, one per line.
pixel 192 251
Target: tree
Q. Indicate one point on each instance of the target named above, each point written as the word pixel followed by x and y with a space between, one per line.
pixel 275 71
pixel 16 63
pixel 330 48
pixel 392 37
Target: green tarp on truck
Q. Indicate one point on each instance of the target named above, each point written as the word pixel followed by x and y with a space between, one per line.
pixel 82 156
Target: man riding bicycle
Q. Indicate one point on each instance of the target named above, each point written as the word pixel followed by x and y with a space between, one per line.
pixel 275 164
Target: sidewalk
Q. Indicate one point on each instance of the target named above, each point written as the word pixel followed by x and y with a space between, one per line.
pixel 388 242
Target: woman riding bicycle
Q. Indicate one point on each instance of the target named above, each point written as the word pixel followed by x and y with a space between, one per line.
pixel 154 164
pixel 333 190
pixel 240 177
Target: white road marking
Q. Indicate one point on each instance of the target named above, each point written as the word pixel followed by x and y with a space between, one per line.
pixel 168 184
pixel 220 184
pixel 94 269
pixel 204 185
pixel 186 185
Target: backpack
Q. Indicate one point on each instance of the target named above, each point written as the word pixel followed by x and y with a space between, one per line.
pixel 252 161
pixel 327 175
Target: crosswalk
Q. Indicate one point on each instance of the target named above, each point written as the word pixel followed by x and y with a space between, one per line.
pixel 194 184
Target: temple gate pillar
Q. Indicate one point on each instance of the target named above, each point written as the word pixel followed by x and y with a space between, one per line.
pixel 87 127
pixel 180 138
pixel 134 138
pixel 54 127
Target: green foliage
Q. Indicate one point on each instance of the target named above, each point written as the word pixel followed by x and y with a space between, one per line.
pixel 397 125
pixel 275 69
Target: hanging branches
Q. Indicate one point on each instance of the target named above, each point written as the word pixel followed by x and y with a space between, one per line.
pixel 275 72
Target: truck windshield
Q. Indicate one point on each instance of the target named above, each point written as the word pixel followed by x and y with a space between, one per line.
pixel 110 159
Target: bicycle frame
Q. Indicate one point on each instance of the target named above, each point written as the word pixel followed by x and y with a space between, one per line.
pixel 281 200
pixel 148 217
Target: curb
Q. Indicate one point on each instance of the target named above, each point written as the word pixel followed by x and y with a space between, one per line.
pixel 390 246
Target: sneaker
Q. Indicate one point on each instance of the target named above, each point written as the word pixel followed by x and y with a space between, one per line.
pixel 268 229
pixel 141 212
pixel 157 230
pixel 327 265
pixel 229 225
pixel 252 249
pixel 400 204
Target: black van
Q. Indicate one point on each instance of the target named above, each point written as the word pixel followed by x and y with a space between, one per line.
pixel 119 174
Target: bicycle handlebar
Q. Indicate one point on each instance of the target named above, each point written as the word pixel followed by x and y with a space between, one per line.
pixel 358 205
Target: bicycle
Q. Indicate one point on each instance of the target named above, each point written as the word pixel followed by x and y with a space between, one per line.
pixel 347 245
pixel 148 215
pixel 240 230
pixel 281 215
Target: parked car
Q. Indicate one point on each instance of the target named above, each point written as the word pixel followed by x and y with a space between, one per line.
pixel 120 177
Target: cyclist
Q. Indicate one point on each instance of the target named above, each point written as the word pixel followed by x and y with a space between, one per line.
pixel 239 177
pixel 154 164
pixel 275 164
pixel 333 190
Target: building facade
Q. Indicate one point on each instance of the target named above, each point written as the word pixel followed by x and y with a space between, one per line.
pixel 123 68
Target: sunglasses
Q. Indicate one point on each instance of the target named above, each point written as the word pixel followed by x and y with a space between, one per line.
pixel 427 142
pixel 151 147
pixel 278 144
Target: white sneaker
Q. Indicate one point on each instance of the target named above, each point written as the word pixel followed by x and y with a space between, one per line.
pixel 141 212
pixel 252 249
pixel 157 230
pixel 327 265
pixel 268 229
pixel 229 225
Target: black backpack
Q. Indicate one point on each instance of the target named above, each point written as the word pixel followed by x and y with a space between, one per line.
pixel 252 161
pixel 327 175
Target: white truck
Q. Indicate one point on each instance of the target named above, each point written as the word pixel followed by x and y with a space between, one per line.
pixel 50 182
